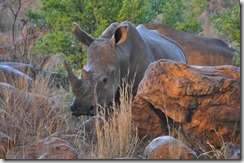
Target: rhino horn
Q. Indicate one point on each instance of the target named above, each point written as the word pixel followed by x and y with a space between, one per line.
pixel 108 33
pixel 81 35
pixel 71 76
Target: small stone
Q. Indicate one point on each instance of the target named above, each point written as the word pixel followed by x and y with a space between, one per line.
pixel 90 126
pixel 167 147
pixel 54 148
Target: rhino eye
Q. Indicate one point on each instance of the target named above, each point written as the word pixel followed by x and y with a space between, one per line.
pixel 105 80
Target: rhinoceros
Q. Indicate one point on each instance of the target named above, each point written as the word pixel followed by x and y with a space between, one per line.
pixel 199 50
pixel 122 50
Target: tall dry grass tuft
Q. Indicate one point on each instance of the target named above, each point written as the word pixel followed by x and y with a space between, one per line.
pixel 115 139
pixel 30 114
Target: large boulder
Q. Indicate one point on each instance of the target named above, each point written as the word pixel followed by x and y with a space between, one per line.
pixel 149 122
pixel 203 100
pixel 54 148
pixel 167 147
pixel 15 77
pixel 24 112
pixel 22 67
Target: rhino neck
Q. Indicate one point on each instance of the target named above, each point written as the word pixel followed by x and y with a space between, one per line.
pixel 132 67
pixel 134 58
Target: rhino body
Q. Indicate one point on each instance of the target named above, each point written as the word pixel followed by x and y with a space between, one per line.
pixel 200 50
pixel 122 51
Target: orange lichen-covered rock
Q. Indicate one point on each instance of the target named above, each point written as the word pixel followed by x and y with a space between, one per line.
pixel 205 100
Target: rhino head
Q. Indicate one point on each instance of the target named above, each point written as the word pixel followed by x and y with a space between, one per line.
pixel 99 81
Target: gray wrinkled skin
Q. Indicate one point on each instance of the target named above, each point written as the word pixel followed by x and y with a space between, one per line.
pixel 121 51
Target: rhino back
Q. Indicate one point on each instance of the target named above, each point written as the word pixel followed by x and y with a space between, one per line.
pixel 161 46
pixel 200 50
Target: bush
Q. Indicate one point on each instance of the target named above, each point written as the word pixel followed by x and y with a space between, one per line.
pixel 228 23
pixel 183 14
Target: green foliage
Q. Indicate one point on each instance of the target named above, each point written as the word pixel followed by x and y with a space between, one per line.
pixel 183 14
pixel 34 17
pixel 134 10
pixel 92 15
pixel 95 15
pixel 228 23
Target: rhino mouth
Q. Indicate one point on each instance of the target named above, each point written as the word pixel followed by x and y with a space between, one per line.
pixel 78 112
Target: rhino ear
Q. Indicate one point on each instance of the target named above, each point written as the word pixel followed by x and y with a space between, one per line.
pixel 85 74
pixel 120 35
pixel 81 35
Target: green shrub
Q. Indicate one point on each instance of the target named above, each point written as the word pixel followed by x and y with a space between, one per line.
pixel 183 14
pixel 228 23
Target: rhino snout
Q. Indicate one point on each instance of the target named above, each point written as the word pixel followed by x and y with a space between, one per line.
pixel 78 111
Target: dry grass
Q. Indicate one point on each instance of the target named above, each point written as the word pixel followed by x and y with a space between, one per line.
pixel 33 114
pixel 114 139
pixel 27 116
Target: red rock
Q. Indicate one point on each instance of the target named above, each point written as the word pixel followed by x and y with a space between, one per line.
pixel 204 100
pixel 54 148
pixel 146 120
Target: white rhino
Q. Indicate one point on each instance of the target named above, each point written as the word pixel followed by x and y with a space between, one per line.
pixel 122 50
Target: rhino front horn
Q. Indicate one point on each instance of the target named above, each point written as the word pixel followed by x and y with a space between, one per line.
pixel 71 76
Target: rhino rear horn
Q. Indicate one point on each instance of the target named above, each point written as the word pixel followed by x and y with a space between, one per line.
pixel 81 35
pixel 71 76
pixel 108 33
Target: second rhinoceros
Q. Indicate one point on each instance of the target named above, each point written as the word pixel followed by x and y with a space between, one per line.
pixel 122 50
